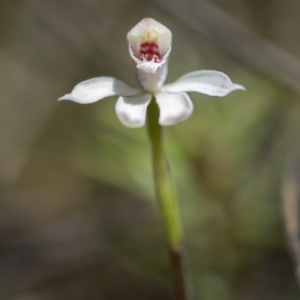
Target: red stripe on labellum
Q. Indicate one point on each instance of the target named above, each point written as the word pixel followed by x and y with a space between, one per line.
pixel 149 51
pixel 149 44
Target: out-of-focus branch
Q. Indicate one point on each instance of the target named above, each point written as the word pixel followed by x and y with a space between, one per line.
pixel 291 208
pixel 213 23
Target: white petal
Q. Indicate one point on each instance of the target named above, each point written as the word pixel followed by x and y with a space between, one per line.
pixel 152 82
pixel 212 83
pixel 174 108
pixel 95 89
pixel 154 30
pixel 131 111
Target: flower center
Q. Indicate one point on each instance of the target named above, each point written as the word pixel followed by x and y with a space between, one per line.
pixel 149 51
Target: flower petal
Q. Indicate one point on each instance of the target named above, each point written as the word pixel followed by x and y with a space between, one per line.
pixel 149 29
pixel 131 111
pixel 211 83
pixel 152 82
pixel 95 89
pixel 174 108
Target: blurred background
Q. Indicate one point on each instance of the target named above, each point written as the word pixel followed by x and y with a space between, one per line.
pixel 78 218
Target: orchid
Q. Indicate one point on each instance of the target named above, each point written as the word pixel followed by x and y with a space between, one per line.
pixel 150 46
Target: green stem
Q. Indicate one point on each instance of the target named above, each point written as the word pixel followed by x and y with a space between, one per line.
pixel 167 200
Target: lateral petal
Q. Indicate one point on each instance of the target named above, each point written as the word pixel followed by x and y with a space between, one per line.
pixel 92 90
pixel 207 82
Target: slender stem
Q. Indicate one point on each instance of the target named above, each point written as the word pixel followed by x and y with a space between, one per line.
pixel 168 204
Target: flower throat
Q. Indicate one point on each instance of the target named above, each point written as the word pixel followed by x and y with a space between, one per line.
pixel 149 51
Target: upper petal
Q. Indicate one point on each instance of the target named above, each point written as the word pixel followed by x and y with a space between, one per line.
pixel 173 108
pixel 149 45
pixel 95 89
pixel 131 111
pixel 212 83
pixel 150 30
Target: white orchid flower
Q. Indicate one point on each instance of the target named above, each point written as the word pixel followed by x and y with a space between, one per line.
pixel 149 46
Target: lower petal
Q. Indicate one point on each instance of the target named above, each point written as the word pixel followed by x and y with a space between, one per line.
pixel 174 108
pixel 131 111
